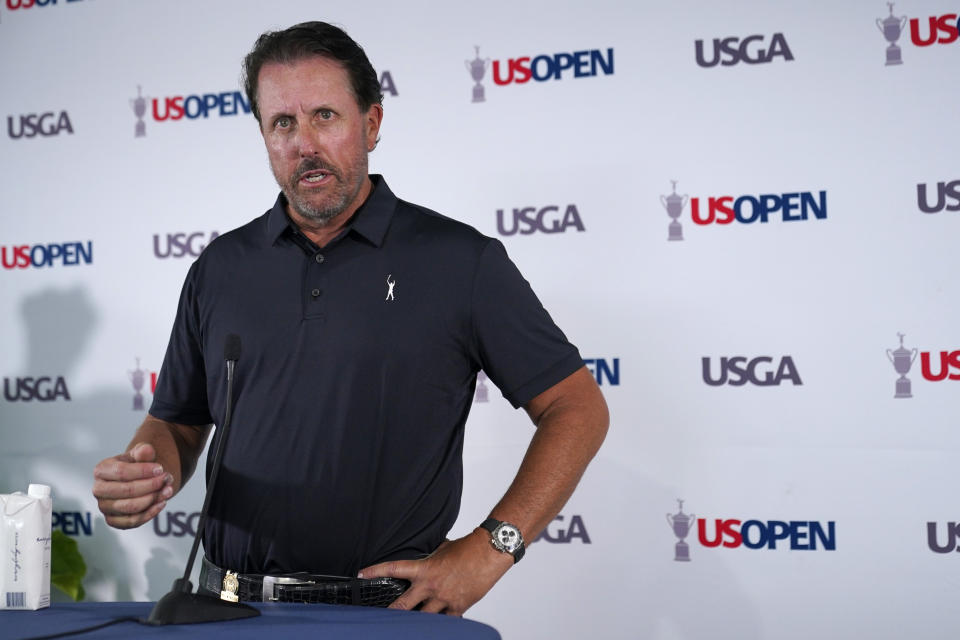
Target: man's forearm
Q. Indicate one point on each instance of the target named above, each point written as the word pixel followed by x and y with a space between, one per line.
pixel 177 446
pixel 572 421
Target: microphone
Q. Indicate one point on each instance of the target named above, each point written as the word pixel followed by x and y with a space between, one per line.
pixel 181 605
pixel 231 353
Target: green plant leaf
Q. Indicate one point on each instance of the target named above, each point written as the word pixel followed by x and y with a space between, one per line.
pixel 67 567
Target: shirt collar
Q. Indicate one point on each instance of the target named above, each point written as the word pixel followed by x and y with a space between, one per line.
pixel 371 220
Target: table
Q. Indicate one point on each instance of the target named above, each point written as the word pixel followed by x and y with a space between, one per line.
pixel 277 620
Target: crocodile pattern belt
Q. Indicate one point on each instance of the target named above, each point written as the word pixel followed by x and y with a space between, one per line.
pixel 300 587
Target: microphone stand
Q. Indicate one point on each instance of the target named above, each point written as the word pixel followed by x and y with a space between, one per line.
pixel 181 605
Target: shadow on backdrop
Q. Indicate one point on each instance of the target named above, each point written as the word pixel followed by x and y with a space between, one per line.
pixel 59 441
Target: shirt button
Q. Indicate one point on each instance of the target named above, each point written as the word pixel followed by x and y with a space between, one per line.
pixel 319 258
pixel 315 293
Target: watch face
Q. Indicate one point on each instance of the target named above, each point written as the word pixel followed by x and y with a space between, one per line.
pixel 508 536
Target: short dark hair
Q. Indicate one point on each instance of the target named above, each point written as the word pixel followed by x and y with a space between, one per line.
pixel 306 40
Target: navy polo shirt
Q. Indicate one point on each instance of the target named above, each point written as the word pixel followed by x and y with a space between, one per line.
pixel 358 367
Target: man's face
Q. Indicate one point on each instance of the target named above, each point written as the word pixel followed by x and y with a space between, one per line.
pixel 317 138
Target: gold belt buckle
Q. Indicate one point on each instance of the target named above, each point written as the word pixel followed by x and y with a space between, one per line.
pixel 231 586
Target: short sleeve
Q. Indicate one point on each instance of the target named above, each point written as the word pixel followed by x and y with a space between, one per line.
pixel 181 393
pixel 519 346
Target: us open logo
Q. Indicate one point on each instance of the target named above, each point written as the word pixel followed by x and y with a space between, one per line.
pixel 754 534
pixel 539 68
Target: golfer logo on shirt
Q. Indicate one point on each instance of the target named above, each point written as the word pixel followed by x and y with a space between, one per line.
pixel 390 284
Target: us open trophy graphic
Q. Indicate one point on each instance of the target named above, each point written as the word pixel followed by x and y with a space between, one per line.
pixel 477 67
pixel 891 27
pixel 674 205
pixel 139 105
pixel 137 377
pixel 483 393
pixel 902 358
pixel 680 523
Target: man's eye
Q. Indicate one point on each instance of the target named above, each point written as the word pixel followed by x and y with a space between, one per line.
pixel 325 114
pixel 282 123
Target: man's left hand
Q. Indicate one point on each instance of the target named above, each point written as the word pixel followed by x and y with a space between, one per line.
pixel 451 579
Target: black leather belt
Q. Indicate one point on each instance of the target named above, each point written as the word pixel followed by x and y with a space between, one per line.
pixel 301 587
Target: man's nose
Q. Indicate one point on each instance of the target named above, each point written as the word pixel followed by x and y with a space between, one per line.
pixel 308 142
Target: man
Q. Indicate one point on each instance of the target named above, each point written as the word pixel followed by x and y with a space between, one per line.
pixel 364 322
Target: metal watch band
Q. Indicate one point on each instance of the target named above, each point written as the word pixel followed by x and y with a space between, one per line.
pixel 491 524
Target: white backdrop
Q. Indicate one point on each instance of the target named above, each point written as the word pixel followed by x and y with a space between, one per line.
pixel 829 444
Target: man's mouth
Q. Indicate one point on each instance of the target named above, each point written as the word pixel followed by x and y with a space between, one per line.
pixel 315 177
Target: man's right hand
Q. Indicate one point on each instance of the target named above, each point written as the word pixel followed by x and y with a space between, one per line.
pixel 131 488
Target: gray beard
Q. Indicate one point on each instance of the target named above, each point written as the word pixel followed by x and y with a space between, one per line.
pixel 317 215
pixel 320 216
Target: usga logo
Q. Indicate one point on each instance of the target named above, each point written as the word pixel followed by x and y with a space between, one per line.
pixel 387 85
pixel 176 524
pixel 548 219
pixel 945 192
pixel 951 538
pixel 41 389
pixel 561 532
pixel 39 124
pixel 760 371
pixel 178 245
pixel 751 50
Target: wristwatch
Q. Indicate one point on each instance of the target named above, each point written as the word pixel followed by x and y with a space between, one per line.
pixel 505 537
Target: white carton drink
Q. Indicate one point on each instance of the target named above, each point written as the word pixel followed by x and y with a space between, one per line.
pixel 25 548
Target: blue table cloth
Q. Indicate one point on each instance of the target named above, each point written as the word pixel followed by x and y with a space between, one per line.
pixel 277 620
